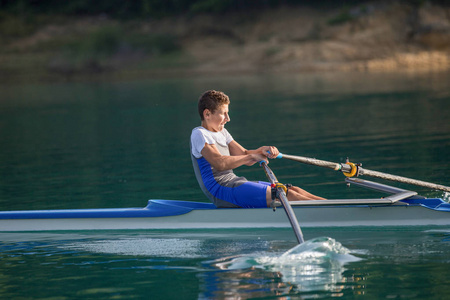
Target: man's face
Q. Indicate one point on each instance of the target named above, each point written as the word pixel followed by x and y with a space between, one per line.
pixel 217 120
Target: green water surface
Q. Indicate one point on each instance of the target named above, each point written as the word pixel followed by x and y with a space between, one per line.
pixel 118 144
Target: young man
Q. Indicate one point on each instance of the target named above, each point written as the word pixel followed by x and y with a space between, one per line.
pixel 215 154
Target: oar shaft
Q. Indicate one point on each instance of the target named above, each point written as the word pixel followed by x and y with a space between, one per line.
pixel 361 171
pixel 285 202
pixel 391 177
pixel 313 161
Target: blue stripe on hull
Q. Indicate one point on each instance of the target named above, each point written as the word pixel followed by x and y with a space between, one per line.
pixel 155 208
pixel 164 208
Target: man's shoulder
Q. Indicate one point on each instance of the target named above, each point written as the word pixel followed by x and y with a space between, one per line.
pixel 199 130
pixel 201 134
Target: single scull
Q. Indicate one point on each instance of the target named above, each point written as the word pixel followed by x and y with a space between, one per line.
pixel 401 208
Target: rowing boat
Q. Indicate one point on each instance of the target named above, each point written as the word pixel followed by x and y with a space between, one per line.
pixel 400 208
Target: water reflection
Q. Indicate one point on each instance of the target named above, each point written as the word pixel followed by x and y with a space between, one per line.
pixel 173 248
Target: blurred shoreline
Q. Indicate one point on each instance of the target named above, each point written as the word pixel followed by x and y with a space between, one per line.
pixel 374 37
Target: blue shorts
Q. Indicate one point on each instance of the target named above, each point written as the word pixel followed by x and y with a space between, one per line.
pixel 250 194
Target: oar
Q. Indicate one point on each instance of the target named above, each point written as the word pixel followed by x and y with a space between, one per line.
pixel 285 202
pixel 350 170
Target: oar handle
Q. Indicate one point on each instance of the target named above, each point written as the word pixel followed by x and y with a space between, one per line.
pixel 278 156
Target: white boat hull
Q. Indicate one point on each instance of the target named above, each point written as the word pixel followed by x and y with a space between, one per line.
pixel 308 217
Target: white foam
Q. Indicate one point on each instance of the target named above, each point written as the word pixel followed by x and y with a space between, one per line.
pixel 315 264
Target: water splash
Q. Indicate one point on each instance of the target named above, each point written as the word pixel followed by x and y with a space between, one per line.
pixel 437 194
pixel 446 197
pixel 317 264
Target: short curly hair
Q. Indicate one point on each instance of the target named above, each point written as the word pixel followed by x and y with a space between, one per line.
pixel 211 100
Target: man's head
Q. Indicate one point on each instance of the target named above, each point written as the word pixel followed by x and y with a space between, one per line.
pixel 211 100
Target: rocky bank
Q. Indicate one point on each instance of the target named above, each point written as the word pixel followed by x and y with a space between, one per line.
pixel 374 37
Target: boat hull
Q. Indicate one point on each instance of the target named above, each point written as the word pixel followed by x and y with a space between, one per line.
pixel 205 216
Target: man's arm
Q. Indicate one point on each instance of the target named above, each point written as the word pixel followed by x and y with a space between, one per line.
pixel 239 156
pixel 237 149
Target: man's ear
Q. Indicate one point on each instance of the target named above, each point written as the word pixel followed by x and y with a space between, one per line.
pixel 206 113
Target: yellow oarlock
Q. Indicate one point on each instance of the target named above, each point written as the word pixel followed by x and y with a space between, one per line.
pixel 353 170
pixel 279 185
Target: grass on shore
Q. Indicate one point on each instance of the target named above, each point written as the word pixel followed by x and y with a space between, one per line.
pixel 41 47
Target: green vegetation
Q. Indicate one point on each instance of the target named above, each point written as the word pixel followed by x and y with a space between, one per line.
pixel 343 17
pixel 110 48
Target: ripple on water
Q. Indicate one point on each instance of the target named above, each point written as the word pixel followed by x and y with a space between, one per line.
pixel 176 248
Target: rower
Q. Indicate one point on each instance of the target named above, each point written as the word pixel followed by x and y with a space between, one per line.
pixel 215 154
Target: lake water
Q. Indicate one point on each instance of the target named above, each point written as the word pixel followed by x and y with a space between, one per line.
pixel 119 143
